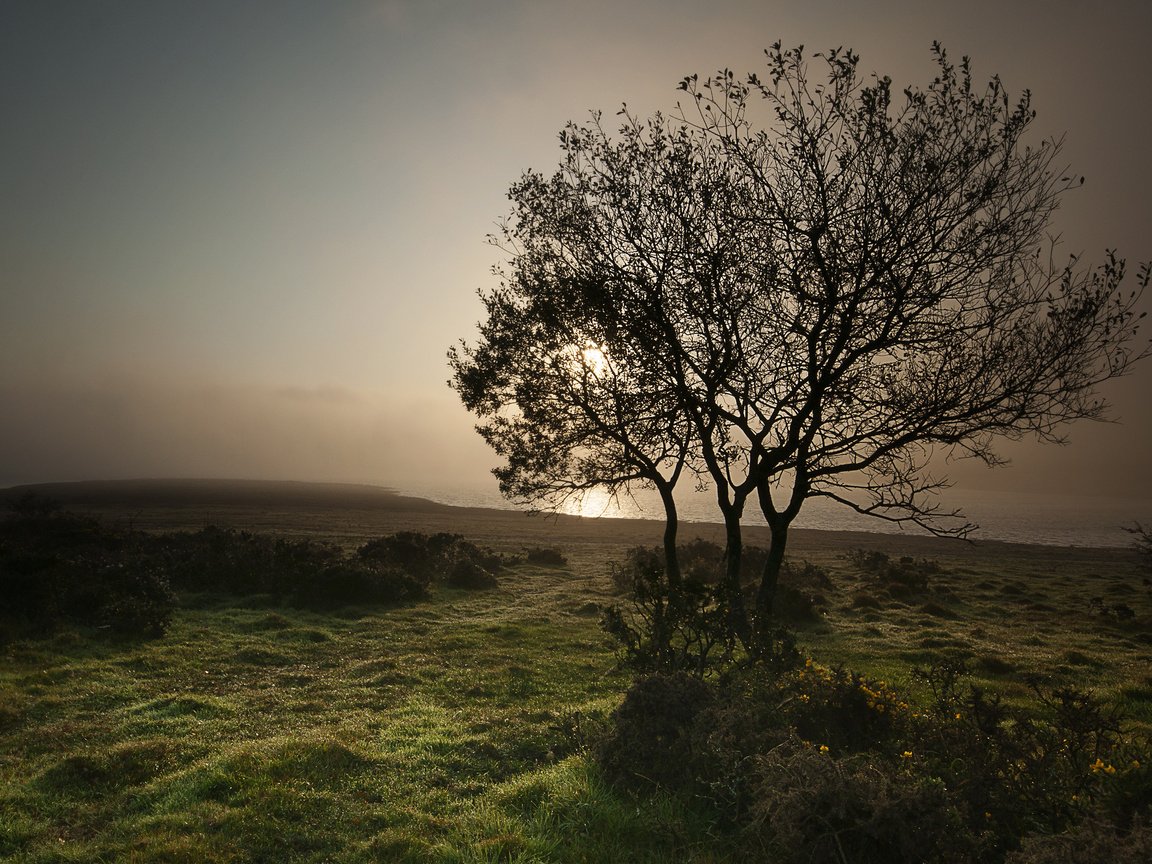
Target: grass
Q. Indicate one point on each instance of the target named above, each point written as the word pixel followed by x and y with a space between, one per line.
pixel 436 732
pixel 451 730
pixel 1016 617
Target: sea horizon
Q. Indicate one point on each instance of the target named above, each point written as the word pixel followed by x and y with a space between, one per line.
pixel 1010 516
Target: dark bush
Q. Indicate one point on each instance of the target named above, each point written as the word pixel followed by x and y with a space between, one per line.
pixel 900 578
pixel 545 557
pixel 1093 842
pixel 470 576
pixel 422 555
pixel 138 600
pixel 664 630
pixel 58 567
pixel 429 556
pixel 829 765
pixel 240 562
pixel 810 807
pixel 357 582
pixel 652 742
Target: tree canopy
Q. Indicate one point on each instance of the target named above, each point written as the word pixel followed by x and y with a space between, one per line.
pixel 796 285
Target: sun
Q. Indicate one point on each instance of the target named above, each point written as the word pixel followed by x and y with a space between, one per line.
pixel 593 358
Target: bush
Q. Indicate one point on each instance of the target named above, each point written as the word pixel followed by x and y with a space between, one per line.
pixel 1092 842
pixel 1023 770
pixel 434 557
pixel 240 562
pixel 138 600
pixel 829 765
pixel 353 582
pixel 811 807
pixel 58 567
pixel 653 737
pixel 470 576
pixel 543 557
pixel 661 630
pixel 901 578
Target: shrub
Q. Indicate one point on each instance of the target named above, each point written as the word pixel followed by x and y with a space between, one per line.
pixel 543 557
pixel 1093 842
pixel 357 582
pixel 240 562
pixel 810 806
pixel 1023 770
pixel 900 578
pixel 829 765
pixel 57 566
pixel 429 557
pixel 469 575
pixel 138 600
pixel 653 737
pixel 664 630
pixel 688 628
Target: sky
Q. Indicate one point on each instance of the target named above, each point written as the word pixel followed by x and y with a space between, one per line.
pixel 238 238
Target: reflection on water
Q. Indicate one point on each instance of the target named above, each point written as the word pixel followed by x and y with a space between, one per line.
pixel 598 503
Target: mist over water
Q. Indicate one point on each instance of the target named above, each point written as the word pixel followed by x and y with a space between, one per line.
pixel 1016 517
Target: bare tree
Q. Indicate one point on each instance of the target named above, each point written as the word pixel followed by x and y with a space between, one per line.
pixel 810 306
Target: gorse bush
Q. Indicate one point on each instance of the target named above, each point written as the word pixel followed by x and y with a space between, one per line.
pixel 1039 769
pixel 809 807
pixel 391 569
pixel 545 557
pixel 58 567
pixel 818 764
pixel 1092 842
pixel 900 577
pixel 689 627
pixel 665 629
pixel 654 740
pixel 434 557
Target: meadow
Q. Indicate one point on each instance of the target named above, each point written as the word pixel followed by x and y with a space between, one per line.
pixel 456 728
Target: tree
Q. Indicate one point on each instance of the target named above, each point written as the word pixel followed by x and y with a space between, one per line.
pixel 809 306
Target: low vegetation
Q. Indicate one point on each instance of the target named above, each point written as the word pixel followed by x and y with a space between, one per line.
pixel 59 568
pixel 455 725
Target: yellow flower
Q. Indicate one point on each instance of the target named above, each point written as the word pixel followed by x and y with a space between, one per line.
pixel 823 748
pixel 957 715
pixel 907 754
pixel 1100 765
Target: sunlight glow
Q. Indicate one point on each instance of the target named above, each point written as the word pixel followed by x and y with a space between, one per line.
pixel 595 504
pixel 594 359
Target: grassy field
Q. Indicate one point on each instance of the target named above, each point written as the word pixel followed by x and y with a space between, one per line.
pixel 451 730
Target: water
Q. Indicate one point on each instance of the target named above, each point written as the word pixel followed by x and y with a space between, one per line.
pixel 1018 517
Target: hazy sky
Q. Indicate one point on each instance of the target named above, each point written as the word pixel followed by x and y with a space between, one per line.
pixel 237 238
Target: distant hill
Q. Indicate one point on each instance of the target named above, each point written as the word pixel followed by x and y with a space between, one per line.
pixel 209 494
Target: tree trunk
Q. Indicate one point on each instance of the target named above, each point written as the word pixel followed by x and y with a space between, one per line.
pixel 770 577
pixel 738 623
pixel 671 527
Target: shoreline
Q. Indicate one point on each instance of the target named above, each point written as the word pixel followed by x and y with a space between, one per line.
pixel 348 512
